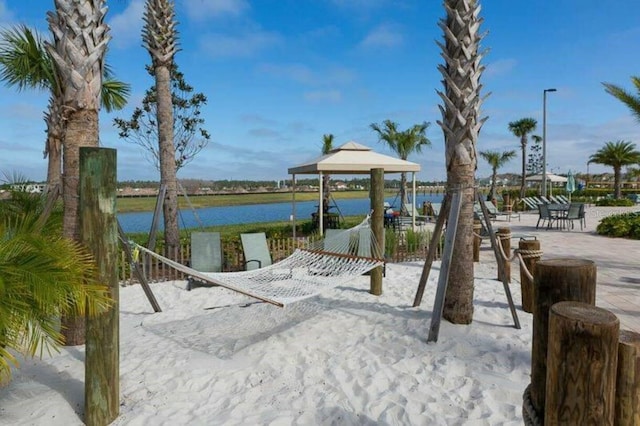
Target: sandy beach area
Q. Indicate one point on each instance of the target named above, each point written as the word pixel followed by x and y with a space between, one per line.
pixel 342 358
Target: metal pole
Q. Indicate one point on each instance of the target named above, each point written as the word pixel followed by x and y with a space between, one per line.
pixel 544 140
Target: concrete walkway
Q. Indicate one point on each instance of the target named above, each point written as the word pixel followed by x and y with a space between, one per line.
pixel 617 259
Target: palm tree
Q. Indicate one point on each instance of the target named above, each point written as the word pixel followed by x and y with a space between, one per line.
pixel 80 39
pixel 26 64
pixel 160 37
pixel 403 143
pixel 630 100
pixel 44 276
pixel 496 160
pixel 521 128
pixel 616 154
pixel 461 124
pixel 327 146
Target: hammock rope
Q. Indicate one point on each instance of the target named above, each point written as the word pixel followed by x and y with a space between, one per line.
pixel 307 272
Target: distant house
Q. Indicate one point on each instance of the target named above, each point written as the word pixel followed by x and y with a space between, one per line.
pixel 340 186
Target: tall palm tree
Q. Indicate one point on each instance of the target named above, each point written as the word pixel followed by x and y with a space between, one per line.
pixel 160 37
pixel 496 160
pixel 44 276
pixel 461 124
pixel 26 64
pixel 629 99
pixel 616 154
pixel 521 128
pixel 403 143
pixel 80 39
pixel 327 146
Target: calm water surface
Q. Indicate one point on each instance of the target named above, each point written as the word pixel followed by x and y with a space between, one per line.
pixel 274 212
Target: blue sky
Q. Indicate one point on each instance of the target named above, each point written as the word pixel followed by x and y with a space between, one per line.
pixel 279 74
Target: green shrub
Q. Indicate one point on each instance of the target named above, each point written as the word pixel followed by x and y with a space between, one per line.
pixel 621 225
pixel 612 202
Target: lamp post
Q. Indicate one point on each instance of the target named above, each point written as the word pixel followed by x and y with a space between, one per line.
pixel 544 140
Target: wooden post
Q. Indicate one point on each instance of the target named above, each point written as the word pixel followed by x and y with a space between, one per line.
pixel 377 225
pixel 99 232
pixel 582 361
pixel 504 239
pixel 477 240
pixel 530 261
pixel 555 280
pixel 628 379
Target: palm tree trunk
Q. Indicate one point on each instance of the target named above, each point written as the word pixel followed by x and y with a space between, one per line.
pixel 82 130
pixel 54 121
pixel 167 160
pixel 617 188
pixel 461 124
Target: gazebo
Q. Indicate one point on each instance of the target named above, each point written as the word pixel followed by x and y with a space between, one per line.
pixel 351 158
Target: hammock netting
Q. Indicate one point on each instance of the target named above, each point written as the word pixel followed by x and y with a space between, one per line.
pixel 341 256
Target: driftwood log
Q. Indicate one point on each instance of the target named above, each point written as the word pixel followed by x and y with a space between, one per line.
pixel 628 379
pixel 581 365
pixel 555 280
pixel 526 285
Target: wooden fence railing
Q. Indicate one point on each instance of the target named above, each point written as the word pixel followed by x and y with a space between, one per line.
pixel 399 250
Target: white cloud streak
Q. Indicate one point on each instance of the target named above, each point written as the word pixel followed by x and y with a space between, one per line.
pixel 200 10
pixel 221 45
pixel 126 27
pixel 382 36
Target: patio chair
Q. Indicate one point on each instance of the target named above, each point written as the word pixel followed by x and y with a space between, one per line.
pixel 206 255
pixel 256 250
pixel 573 214
pixel 544 215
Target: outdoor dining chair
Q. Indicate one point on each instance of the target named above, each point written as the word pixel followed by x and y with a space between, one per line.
pixel 573 214
pixel 544 215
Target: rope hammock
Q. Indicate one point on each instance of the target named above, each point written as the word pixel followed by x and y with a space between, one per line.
pixel 307 272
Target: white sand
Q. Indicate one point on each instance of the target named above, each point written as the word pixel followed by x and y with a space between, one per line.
pixel 343 358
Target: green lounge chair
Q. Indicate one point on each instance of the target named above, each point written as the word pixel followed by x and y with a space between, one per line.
pixel 206 255
pixel 256 250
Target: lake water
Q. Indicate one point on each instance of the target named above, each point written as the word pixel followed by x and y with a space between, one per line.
pixel 275 212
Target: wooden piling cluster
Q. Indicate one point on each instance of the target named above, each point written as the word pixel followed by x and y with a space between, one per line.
pixel 584 370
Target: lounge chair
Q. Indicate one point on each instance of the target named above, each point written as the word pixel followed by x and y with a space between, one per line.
pixel 530 203
pixel 563 199
pixel 256 250
pixel 411 212
pixel 206 255
pixel 494 213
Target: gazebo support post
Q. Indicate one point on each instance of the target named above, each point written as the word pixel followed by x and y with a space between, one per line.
pixel 377 226
pixel 413 200
pixel 293 201
pixel 320 206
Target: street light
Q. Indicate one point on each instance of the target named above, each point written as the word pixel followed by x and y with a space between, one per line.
pixel 544 140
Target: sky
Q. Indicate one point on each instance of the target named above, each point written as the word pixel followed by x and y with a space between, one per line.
pixel 279 74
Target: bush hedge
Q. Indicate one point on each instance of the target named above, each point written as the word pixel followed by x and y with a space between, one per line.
pixel 621 225
pixel 612 202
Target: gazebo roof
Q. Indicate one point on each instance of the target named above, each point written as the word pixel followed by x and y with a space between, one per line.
pixel 354 158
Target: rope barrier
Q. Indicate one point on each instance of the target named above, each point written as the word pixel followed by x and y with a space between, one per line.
pixel 529 414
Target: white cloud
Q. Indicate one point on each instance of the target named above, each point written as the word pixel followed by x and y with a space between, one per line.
pixel 219 45
pixel 5 14
pixel 202 9
pixel 332 96
pixel 126 27
pixel 307 75
pixel 382 36
pixel 500 67
pixel 296 72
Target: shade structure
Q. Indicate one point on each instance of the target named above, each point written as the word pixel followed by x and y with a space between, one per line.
pixel 550 178
pixel 352 158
